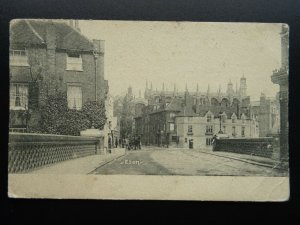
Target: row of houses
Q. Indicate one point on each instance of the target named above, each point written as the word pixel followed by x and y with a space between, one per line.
pixel 191 119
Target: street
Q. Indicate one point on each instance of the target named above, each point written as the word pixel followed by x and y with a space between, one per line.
pixel 181 162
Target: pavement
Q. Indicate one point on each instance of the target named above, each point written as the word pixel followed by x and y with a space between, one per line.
pixel 257 160
pixel 84 165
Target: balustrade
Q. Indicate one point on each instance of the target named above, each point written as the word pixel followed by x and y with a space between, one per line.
pixel 30 151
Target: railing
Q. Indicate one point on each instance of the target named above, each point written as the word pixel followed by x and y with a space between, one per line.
pixel 251 146
pixel 30 151
pixel 17 130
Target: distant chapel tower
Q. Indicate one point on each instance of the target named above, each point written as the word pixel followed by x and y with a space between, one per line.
pixel 243 87
pixel 230 90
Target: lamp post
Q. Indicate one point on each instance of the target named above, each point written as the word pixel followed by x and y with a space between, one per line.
pixel 220 117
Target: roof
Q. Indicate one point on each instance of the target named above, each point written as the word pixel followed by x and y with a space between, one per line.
pixel 34 32
pixel 174 105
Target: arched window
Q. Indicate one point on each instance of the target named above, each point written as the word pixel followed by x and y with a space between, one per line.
pixel 214 102
pixel 225 102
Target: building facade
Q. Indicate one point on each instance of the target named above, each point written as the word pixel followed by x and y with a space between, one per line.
pixel 198 131
pixel 190 119
pixel 111 130
pixel 267 113
pixel 280 77
pixel 46 56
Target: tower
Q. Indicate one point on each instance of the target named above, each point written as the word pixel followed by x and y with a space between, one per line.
pixel 174 92
pixel 208 90
pixel 230 90
pixel 243 87
pixel 129 92
pixel 163 90
pixel 146 90
pixel 219 90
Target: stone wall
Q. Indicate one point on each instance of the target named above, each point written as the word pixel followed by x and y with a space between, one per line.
pixel 251 146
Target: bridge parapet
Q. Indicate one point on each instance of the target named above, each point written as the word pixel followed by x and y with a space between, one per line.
pixel 30 151
pixel 263 147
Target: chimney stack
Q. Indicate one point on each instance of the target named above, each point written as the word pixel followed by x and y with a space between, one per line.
pixel 99 68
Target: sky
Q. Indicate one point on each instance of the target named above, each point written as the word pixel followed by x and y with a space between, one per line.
pixel 187 53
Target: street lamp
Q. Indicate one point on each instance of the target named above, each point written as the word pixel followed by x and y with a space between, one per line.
pixel 220 117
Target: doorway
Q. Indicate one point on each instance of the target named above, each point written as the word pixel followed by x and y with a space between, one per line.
pixel 191 143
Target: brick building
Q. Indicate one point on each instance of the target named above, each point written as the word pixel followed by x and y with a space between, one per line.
pixel 266 110
pixel 46 56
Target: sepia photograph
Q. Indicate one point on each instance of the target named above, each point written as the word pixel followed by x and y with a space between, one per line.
pixel 109 109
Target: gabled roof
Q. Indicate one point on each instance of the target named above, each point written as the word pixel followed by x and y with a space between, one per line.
pixel 215 111
pixel 174 105
pixel 33 32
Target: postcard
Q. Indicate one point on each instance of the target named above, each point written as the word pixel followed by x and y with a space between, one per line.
pixel 151 110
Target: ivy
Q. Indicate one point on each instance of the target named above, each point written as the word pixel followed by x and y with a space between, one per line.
pixel 57 118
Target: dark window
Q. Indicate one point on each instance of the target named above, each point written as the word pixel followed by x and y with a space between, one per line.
pixel 208 118
pixel 243 132
pixel 208 141
pixel 190 129
pixel 209 129
pixel 233 131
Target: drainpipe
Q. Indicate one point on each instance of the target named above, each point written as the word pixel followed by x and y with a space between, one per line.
pixel 96 65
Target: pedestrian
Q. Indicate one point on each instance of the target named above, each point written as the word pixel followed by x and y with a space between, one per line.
pixel 116 143
pixel 127 143
pixel 135 143
pixel 140 144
